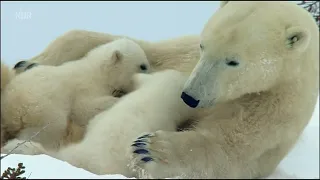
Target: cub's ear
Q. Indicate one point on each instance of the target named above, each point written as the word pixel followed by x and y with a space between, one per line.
pixel 139 79
pixel 117 56
pixel 297 38
pixel 223 3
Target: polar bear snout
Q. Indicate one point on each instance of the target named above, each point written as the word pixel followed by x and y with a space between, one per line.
pixel 189 100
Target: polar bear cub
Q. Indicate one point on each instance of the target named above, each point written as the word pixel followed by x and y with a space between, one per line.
pixel 67 96
pixel 155 105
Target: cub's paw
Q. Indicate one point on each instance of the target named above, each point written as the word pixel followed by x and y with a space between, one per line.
pixel 152 155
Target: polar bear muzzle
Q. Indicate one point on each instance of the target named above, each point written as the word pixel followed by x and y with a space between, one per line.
pixel 199 89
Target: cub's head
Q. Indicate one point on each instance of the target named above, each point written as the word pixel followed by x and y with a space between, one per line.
pixel 122 55
pixel 250 47
pixel 119 61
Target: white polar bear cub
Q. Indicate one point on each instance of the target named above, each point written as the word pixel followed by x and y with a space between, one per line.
pixel 68 96
pixel 155 105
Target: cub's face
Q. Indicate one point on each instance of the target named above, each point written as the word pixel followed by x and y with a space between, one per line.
pixel 131 63
pixel 124 66
pixel 140 64
pixel 244 50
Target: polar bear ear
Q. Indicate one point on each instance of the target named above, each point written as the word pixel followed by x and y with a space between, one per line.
pixel 117 56
pixel 223 3
pixel 297 38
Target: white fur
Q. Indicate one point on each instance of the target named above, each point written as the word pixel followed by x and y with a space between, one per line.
pixel 68 96
pixel 156 104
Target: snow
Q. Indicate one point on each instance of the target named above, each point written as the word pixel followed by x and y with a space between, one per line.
pixel 301 162
pixel 54 168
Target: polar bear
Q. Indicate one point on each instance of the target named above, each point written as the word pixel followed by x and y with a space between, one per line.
pixel 66 97
pixel 248 132
pixel 103 149
pixel 257 82
pixel 6 75
pixel 181 53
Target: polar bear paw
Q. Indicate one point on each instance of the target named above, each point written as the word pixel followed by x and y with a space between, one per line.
pixel 152 155
pixel 22 66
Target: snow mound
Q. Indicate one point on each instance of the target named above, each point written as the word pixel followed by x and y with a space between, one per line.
pixel 46 167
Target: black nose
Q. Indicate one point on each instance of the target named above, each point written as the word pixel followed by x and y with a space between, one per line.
pixel 19 64
pixel 190 101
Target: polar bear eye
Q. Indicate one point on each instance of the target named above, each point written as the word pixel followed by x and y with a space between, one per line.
pixel 293 40
pixel 232 63
pixel 143 67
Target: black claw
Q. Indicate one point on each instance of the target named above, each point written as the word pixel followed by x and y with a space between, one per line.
pixel 141 151
pixel 144 136
pixel 31 66
pixel 147 159
pixel 139 141
pixel 19 64
pixel 138 144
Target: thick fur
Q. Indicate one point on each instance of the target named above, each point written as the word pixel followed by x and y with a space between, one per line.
pixel 254 112
pixel 180 53
pixel 68 96
pixel 7 74
pixel 153 106
pixel 259 73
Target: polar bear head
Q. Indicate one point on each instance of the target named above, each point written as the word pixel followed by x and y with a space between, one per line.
pixel 252 47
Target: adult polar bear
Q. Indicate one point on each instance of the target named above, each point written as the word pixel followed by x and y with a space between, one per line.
pixel 259 71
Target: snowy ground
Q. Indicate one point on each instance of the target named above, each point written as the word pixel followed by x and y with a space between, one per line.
pixel 302 162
